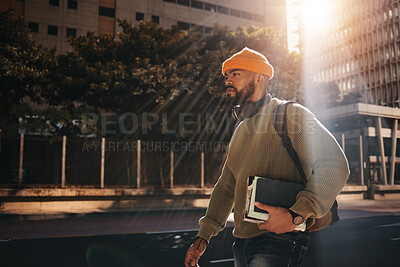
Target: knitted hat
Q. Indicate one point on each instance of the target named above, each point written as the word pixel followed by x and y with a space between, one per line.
pixel 249 59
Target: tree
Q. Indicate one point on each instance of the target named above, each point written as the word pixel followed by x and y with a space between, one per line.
pixel 350 98
pixel 23 69
pixel 147 69
pixel 323 95
pixel 144 69
pixel 121 73
pixel 328 95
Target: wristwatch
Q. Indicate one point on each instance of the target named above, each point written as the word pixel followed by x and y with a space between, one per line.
pixel 297 219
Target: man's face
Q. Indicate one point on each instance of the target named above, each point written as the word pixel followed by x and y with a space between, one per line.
pixel 239 85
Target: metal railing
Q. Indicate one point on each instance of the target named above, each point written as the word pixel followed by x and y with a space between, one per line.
pixel 73 161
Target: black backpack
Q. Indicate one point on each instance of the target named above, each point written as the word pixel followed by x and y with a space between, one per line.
pixel 279 122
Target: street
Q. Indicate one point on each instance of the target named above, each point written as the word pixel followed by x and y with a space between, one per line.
pixel 360 241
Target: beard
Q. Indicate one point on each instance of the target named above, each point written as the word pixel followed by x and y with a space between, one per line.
pixel 241 96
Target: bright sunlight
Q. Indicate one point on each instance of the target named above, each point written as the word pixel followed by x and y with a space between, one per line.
pixel 317 15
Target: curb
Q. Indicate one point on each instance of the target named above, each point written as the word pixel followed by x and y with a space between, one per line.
pixel 40 215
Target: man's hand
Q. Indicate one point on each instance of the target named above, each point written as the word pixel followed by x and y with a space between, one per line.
pixel 279 221
pixel 195 251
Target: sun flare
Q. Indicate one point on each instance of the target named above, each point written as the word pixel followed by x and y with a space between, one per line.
pixel 316 14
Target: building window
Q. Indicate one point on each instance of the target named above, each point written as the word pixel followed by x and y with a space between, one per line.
pixel 71 32
pixel 139 16
pixel 210 7
pixel 72 4
pixel 170 1
pixel 107 12
pixel 236 13
pixel 52 30
pixel 247 15
pixel 155 19
pixel 33 26
pixel 197 4
pixel 183 25
pixel 196 27
pixel 223 10
pixel 54 2
pixel 183 2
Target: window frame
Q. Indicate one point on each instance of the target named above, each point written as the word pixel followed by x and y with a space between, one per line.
pixel 35 24
pixel 106 12
pixel 155 19
pixel 74 31
pixel 54 3
pixel 139 14
pixel 72 4
pixel 51 28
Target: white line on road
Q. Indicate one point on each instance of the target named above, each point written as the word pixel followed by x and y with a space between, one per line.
pixel 394 239
pixel 220 261
pixel 388 225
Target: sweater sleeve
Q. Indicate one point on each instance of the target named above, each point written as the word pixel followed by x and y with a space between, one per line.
pixel 318 149
pixel 220 206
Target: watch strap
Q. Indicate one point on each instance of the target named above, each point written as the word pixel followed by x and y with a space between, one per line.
pixel 296 218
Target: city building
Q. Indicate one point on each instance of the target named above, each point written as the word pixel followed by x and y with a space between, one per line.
pixel 365 133
pixel 355 44
pixel 53 21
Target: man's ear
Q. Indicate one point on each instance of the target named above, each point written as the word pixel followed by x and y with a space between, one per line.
pixel 260 78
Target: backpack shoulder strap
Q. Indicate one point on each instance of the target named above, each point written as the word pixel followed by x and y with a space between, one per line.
pixel 280 124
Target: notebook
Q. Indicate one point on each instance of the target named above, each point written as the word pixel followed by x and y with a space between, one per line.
pixel 271 192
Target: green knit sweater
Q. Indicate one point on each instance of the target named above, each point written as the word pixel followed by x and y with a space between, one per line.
pixel 256 149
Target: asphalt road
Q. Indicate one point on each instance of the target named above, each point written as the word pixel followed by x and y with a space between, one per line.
pixel 369 241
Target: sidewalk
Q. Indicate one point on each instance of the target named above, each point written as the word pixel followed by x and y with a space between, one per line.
pixel 47 203
pixel 347 209
pixel 368 208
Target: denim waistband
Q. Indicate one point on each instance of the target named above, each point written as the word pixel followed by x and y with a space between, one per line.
pixel 290 236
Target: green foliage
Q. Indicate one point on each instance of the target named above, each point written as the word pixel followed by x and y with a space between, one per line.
pixel 23 67
pixel 323 95
pixel 350 98
pixel 143 69
pixel 327 95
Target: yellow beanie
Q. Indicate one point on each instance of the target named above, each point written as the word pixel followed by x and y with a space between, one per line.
pixel 249 59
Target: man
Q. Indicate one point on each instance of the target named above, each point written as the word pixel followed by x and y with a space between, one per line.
pixel 256 149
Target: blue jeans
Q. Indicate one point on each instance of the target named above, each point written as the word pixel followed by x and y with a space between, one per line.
pixel 271 250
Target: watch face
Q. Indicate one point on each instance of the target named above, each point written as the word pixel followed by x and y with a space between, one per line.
pixel 297 220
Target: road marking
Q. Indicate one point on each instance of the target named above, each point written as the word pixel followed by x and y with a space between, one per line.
pixel 5 240
pixel 394 239
pixel 168 232
pixel 220 261
pixel 388 225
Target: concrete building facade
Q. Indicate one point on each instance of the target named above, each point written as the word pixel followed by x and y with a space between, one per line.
pixel 53 21
pixel 357 46
pixel 369 136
